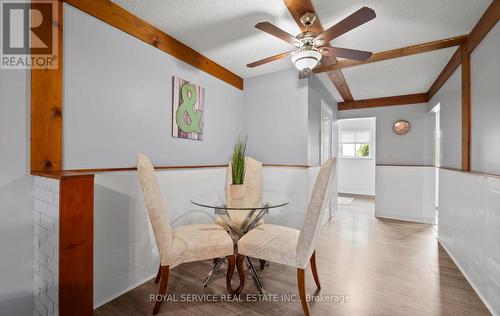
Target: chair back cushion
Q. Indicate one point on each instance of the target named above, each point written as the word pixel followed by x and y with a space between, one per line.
pixel 156 206
pixel 320 199
pixel 252 186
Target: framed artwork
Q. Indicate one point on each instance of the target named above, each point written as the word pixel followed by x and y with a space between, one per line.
pixel 188 107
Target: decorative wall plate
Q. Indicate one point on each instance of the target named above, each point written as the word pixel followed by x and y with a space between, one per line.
pixel 401 127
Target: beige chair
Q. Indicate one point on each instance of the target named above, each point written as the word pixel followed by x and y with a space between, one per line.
pixel 253 191
pixel 183 244
pixel 292 247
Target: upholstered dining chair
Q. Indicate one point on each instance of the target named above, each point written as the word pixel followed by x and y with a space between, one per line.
pixel 292 247
pixel 183 244
pixel 253 191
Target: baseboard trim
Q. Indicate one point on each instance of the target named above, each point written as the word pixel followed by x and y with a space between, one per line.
pixel 130 288
pixel 462 270
pixel 405 218
pixel 356 195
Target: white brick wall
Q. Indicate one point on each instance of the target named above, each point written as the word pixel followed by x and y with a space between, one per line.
pixel 46 244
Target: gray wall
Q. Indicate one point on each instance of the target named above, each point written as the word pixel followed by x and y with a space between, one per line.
pixel 414 148
pixel 450 98
pixel 485 104
pixel 118 101
pixel 276 111
pixel 316 93
pixel 16 196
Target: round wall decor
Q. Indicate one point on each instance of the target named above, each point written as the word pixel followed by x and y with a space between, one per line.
pixel 401 127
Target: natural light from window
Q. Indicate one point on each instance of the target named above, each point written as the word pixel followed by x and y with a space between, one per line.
pixel 355 144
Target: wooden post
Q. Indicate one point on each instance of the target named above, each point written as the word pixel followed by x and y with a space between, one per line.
pixel 46 105
pixel 76 245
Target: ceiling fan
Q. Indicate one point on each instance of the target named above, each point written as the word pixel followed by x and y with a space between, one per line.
pixel 311 46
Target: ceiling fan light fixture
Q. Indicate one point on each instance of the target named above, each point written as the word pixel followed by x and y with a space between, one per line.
pixel 306 59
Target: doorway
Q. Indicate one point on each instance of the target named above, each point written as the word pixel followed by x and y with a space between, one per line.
pixel 357 156
pixel 326 132
pixel 437 155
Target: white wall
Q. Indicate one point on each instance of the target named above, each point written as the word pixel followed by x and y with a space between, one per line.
pixel 469 217
pixel 414 148
pixel 125 253
pixel 450 98
pixel 276 117
pixel 406 193
pixel 485 104
pixel 118 101
pixel 357 175
pixel 16 196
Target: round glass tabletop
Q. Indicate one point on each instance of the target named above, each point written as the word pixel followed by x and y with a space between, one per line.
pixel 217 200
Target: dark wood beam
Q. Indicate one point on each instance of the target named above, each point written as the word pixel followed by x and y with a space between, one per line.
pixel 466 107
pixel 296 9
pixel 396 53
pixel 46 103
pixel 122 19
pixel 385 101
pixel 487 21
pixel 446 73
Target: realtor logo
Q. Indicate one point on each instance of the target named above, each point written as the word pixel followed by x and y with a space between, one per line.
pixel 29 35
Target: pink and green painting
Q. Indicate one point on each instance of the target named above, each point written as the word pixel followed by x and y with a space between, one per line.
pixel 187 110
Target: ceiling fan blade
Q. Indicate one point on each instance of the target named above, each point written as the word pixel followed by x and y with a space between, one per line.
pixel 353 54
pixel 269 59
pixel 279 33
pixel 306 73
pixel 354 20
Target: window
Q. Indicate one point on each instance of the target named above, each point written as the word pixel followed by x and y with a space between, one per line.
pixel 355 144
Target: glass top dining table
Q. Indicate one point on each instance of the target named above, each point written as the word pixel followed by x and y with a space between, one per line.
pixel 255 211
pixel 217 200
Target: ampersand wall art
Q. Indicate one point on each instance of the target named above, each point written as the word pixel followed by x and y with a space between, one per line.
pixel 187 110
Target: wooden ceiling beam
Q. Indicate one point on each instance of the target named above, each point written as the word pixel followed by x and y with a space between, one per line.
pixel 385 101
pixel 122 19
pixel 487 21
pixel 396 53
pixel 446 73
pixel 296 9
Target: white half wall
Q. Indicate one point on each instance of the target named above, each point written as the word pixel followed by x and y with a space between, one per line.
pixel 469 217
pixel 405 193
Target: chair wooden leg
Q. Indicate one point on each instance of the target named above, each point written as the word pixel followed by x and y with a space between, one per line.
pixel 302 290
pixel 230 270
pixel 262 264
pixel 241 273
pixel 158 275
pixel 314 269
pixel 163 287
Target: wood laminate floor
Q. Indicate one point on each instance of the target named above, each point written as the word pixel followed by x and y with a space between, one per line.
pixel 381 267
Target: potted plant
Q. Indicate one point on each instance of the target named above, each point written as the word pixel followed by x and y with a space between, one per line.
pixel 236 189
